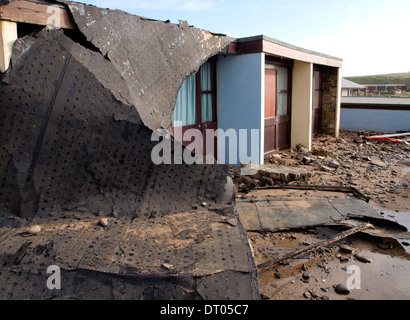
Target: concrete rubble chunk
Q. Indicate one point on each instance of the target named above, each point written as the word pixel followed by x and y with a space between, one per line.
pixel 275 174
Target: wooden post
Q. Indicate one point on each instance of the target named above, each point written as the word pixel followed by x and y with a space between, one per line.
pixel 36 13
pixel 8 35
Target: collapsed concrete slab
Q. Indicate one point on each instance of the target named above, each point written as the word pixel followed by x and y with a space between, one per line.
pixel 76 119
pixel 152 57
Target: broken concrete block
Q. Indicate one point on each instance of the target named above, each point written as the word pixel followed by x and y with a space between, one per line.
pixel 325 168
pixel 251 183
pixel 333 164
pixel 267 181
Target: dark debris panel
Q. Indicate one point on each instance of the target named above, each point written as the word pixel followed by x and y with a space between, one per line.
pixel 75 146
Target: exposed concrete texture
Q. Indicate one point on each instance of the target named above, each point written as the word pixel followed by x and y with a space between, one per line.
pixel 75 147
pixel 273 214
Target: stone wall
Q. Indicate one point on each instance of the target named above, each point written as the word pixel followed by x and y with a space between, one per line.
pixel 330 101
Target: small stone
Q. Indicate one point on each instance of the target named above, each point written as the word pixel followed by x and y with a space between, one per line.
pixel 306 294
pixel 204 204
pixel 103 222
pixel 346 248
pixel 363 259
pixel 307 160
pixel 325 297
pixel 343 258
pixel 385 246
pixel 306 276
pixel 34 229
pixel 333 164
pixel 167 266
pixel 314 294
pixel 342 289
pixel 278 275
pixel 324 168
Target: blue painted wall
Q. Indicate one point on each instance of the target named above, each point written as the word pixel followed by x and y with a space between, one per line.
pixel 240 92
pixel 387 121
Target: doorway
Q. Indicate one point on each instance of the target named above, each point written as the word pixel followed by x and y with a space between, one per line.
pixel 317 95
pixel 277 106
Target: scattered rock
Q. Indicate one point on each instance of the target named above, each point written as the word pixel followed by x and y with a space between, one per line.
pixel 34 229
pixel 314 294
pixel 267 181
pixel 306 294
pixel 346 248
pixel 103 222
pixel 358 140
pixel 204 204
pixel 167 266
pixel 324 168
pixel 342 289
pixel 376 161
pixel 333 164
pixel 363 259
pixel 306 276
pixel 325 297
pixel 386 245
pixel 307 160
pixel 251 183
pixel 343 258
pixel 278 275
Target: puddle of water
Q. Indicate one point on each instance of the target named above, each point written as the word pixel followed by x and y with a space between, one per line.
pixel 401 217
pixel 387 277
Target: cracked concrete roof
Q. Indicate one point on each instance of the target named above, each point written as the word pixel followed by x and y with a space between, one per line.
pixel 76 119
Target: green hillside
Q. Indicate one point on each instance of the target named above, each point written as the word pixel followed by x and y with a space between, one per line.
pixel 383 79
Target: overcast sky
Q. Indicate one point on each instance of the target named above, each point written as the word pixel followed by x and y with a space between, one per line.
pixel 371 36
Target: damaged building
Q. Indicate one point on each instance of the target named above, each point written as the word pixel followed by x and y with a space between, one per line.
pixel 286 94
pixel 80 98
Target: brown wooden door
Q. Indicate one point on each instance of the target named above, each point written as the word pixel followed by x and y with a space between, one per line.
pixel 317 101
pixel 277 109
pixel 270 110
pixel 203 111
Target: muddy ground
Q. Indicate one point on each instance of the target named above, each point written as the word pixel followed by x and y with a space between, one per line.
pixel 377 169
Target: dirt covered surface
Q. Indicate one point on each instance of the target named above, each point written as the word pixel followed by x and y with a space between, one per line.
pixel 380 171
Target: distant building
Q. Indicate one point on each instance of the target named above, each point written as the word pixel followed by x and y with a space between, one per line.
pixel 387 88
pixel 352 89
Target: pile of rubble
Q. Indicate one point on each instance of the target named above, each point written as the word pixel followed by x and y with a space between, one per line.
pixel 379 169
pixel 270 175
